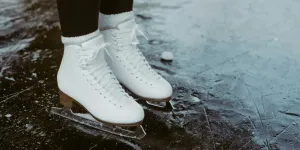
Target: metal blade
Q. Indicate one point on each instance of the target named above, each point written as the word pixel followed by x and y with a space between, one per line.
pixel 88 120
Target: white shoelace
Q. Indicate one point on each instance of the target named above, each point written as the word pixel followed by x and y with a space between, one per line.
pixel 101 76
pixel 134 55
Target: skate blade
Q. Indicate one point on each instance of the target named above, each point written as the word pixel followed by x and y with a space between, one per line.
pixel 88 120
pixel 157 104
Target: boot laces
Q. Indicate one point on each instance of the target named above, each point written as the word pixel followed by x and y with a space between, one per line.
pixel 133 54
pixel 100 75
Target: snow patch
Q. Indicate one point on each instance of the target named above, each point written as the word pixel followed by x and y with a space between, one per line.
pixel 167 56
pixel 11 78
pixel 195 99
pixel 8 115
pixel 35 55
pixel 42 134
pixel 34 74
pixel 28 127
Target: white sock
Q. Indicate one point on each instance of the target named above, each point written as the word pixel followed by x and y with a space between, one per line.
pixel 79 39
pixel 109 21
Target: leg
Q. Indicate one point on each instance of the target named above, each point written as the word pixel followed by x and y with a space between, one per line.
pixel 113 12
pixel 78 17
pixel 115 6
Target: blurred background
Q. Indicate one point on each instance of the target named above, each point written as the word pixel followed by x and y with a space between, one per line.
pixel 235 76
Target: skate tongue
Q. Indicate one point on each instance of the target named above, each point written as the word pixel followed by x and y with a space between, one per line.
pixel 127 25
pixel 93 46
pixel 95 41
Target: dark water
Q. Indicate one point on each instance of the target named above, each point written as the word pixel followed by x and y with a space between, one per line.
pixel 235 76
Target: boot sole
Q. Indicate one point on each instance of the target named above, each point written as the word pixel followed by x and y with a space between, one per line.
pixel 68 103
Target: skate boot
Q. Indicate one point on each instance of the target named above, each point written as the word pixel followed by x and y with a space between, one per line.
pixel 85 78
pixel 130 66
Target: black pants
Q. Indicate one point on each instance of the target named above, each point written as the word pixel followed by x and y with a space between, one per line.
pixel 80 17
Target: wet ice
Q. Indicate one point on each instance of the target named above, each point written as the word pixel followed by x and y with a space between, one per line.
pixel 235 82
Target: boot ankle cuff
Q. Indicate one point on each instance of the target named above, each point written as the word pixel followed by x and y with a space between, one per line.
pixel 79 39
pixel 112 20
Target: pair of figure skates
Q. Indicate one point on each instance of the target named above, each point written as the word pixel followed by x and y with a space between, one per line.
pixel 91 72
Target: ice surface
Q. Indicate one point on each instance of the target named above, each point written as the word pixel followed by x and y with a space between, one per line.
pixel 245 54
pixel 236 80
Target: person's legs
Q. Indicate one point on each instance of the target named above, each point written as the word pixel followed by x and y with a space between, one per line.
pixel 113 12
pixel 115 6
pixel 78 17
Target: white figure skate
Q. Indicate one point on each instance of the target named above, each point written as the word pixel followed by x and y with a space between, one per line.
pixel 130 66
pixel 84 78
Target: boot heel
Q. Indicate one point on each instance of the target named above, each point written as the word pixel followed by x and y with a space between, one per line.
pixel 65 100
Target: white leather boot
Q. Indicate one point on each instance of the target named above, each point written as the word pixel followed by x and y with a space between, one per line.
pixel 130 66
pixel 84 77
